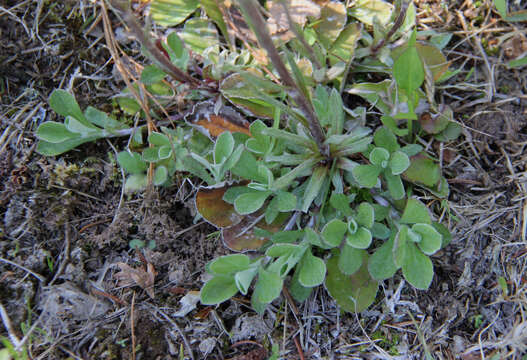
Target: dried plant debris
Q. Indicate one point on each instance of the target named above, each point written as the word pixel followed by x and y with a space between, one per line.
pixel 144 278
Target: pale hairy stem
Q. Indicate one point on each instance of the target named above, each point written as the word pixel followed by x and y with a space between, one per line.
pixel 255 19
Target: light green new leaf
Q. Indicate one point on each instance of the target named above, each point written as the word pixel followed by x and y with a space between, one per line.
pixel 223 147
pixel 250 202
pixel 160 175
pixel 313 186
pixel 366 10
pixel 199 34
pixel 172 12
pixel 417 268
pixel 229 264
pixel 431 239
pixel 268 286
pixel 399 162
pixel 135 182
pixel 360 239
pixel 63 103
pixel 365 215
pixel 333 232
pixel 379 157
pixel 55 132
pixel 218 289
pixel 244 278
pixel 312 270
pixel 131 162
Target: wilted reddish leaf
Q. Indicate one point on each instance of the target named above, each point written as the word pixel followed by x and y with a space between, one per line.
pixel 435 123
pixel 128 276
pixel 212 122
pixel 423 170
pixel 241 237
pixel 210 204
pixel 434 59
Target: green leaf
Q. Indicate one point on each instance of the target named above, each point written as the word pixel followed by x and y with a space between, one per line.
pixel 345 45
pixel 395 185
pixel 400 247
pixel 52 149
pixel 350 259
pixel 250 202
pixel 247 168
pixel 366 10
pixel 360 239
pixel 160 175
pixel 312 270
pixel 268 286
pixel 199 34
pixel 415 212
pixel 417 268
pixel 336 111
pixel 313 186
pixel 352 293
pixel 223 147
pixel 446 237
pixel 179 55
pixel 333 232
pixel 423 170
pixel 366 175
pixel 244 278
pixel 301 170
pixel 229 264
pixel 152 74
pixel 287 236
pixel 332 20
pixel 391 124
pixel 341 203
pixel 214 13
pixel 218 289
pixel 131 162
pixel 78 127
pixel 285 201
pixel 381 265
pixel 385 138
pixel 517 63
pixel 172 12
pixel 412 149
pixel 135 182
pixel 379 157
pixel 399 162
pixel 283 249
pixel 101 119
pixel 380 231
pixel 365 215
pixel 55 132
pixel 408 70
pixel 63 103
pixel 151 154
pixel 430 239
pixel 299 292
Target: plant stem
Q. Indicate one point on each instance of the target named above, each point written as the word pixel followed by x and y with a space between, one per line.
pixel 256 21
pixel 396 25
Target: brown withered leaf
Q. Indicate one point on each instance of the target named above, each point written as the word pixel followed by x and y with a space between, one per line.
pixel 212 207
pixel 299 10
pixel 129 276
pixel 212 122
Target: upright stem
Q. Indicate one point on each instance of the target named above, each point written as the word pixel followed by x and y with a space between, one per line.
pixel 255 19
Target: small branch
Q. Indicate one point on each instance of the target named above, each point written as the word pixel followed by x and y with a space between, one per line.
pixel 38 276
pixel 396 25
pixel 255 19
pixel 9 327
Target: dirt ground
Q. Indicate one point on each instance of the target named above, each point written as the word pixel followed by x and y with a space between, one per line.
pixel 65 224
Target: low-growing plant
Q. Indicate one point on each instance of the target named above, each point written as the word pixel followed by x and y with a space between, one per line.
pixel 318 190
